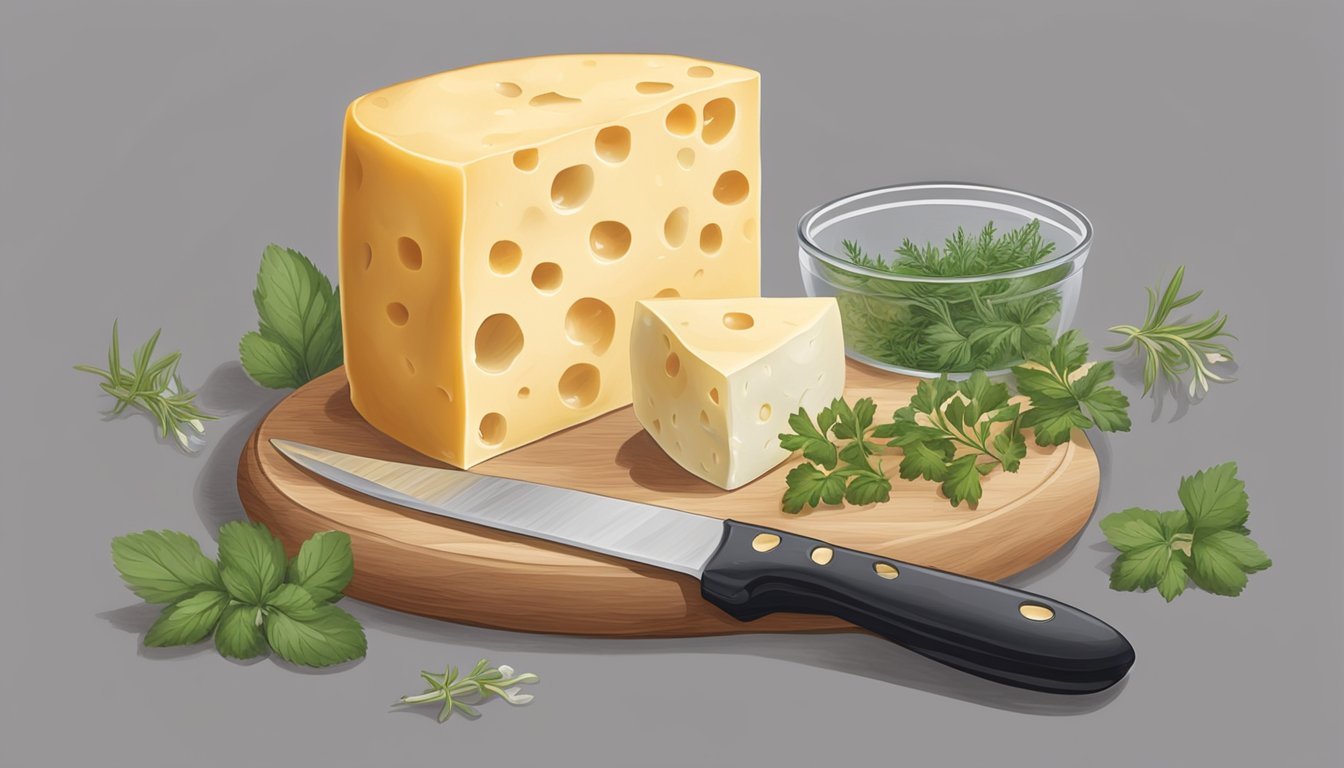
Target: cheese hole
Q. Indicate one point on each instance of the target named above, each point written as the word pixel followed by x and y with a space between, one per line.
pixel 675 226
pixel 354 171
pixel 714 395
pixel 731 188
pixel 492 429
pixel 551 98
pixel 672 366
pixel 445 393
pixel 589 62
pixel 681 120
pixel 674 419
pixel 711 239
pixel 667 293
pixel 524 392
pixel 573 185
pixel 610 240
pixel 409 251
pixel 704 419
pixel 764 414
pixel 579 385
pixel 699 71
pixel 738 321
pixel 657 426
pixel 699 273
pixel 651 86
pixel 368 255
pixel 686 157
pixel 547 277
pixel 397 313
pixel 504 257
pixel 749 229
pixel 410 367
pixel 498 342
pixel 613 143
pixel 526 159
pixel 719 117
pixel 714 456
pixel 511 90
pixel 590 322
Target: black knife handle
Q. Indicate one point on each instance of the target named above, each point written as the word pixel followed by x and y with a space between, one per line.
pixel 1002 634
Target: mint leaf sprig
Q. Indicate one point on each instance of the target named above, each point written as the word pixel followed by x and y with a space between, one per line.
pixel 298 336
pixel 481 683
pixel 1170 350
pixel 1065 397
pixel 1206 541
pixel 252 598
pixel 949 434
pixel 818 480
pixel 154 387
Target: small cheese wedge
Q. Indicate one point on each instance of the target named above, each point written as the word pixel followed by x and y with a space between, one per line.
pixel 716 379
pixel 498 222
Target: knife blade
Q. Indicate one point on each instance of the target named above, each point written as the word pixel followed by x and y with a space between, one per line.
pixel 1007 635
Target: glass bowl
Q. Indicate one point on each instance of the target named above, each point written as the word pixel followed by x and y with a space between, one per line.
pixel 919 313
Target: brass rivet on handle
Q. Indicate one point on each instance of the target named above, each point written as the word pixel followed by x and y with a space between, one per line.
pixel 822 555
pixel 764 542
pixel 886 570
pixel 1035 612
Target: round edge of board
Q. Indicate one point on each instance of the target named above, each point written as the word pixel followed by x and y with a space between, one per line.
pixel 477 576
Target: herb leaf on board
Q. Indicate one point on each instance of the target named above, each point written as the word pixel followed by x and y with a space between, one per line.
pixel 1171 349
pixel 1207 542
pixel 955 434
pixel 831 474
pixel 298 337
pixel 1065 397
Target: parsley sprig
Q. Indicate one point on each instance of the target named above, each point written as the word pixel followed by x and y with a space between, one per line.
pixel 954 434
pixel 1171 349
pixel 154 387
pixel 818 479
pixel 480 684
pixel 1066 393
pixel 252 598
pixel 1206 541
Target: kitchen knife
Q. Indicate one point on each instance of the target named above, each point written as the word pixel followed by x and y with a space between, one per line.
pixel 1006 635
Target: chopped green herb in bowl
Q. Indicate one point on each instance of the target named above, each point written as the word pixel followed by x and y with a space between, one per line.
pixel 937 279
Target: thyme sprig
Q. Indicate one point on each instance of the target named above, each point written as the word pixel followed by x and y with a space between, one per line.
pixel 154 387
pixel 479 685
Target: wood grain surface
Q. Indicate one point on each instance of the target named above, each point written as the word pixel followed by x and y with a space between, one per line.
pixel 433 566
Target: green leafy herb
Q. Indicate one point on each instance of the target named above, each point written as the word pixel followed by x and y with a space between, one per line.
pixel 955 434
pixel 952 327
pixel 154 387
pixel 299 334
pixel 252 598
pixel 482 683
pixel 1207 541
pixel 1066 393
pixel 856 479
pixel 1171 349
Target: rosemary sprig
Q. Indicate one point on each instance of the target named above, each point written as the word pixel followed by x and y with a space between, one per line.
pixel 1170 350
pixel 478 686
pixel 152 386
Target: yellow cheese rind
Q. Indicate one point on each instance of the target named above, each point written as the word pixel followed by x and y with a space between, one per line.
pixel 488 286
pixel 716 379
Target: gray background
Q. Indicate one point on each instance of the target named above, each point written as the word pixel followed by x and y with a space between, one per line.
pixel 149 150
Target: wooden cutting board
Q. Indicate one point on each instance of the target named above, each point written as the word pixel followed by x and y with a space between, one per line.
pixel 424 564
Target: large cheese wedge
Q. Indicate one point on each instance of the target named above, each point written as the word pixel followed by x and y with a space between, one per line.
pixel 716 379
pixel 498 223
